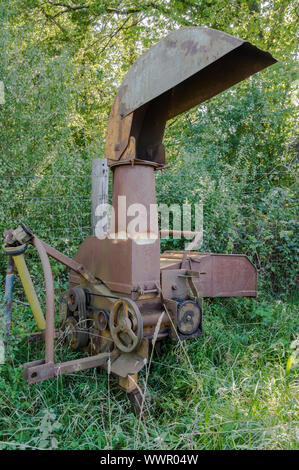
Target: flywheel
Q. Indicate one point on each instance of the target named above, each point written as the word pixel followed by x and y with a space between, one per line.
pixel 126 326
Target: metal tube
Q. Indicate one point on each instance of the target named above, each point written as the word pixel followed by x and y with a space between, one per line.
pixel 50 311
pixel 9 282
pixel 24 274
pixel 151 319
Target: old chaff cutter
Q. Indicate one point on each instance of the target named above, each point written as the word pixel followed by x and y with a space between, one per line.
pixel 120 287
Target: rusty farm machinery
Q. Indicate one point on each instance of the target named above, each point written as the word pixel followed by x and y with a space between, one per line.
pixel 122 291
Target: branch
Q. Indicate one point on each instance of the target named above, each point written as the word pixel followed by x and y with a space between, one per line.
pixel 128 11
pixel 281 12
pixel 122 27
pixel 52 18
pixel 68 7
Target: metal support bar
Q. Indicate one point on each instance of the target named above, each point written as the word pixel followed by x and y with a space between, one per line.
pixel 29 290
pixel 190 275
pixel 23 234
pixel 70 263
pixel 100 181
pixel 50 296
pixel 38 371
pixel 9 283
pixel 40 335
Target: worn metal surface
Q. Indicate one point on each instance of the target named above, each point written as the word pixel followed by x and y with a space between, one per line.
pixel 219 275
pixel 129 260
pixel 50 299
pixel 111 261
pixel 118 132
pixel 182 54
pixel 137 399
pixel 182 70
pixel 128 363
pixel 151 319
pixel 38 371
pixel 8 294
pixel 126 326
pixel 189 317
pixel 134 190
pixel 28 286
pixel 226 276
pixel 99 333
pixel 172 285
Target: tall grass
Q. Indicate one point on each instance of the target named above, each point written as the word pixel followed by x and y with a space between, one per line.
pixel 236 395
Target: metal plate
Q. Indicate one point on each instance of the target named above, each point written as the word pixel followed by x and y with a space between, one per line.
pixel 219 275
pixel 172 285
pixel 127 363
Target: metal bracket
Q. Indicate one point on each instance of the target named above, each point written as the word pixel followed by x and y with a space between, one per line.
pixel 37 371
pixel 190 275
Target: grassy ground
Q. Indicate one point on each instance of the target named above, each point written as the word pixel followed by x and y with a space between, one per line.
pixel 233 394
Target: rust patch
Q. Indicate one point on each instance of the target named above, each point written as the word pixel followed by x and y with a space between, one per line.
pixel 171 43
pixel 190 47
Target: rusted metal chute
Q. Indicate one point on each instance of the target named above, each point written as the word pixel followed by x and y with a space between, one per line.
pixel 120 286
pixel 184 69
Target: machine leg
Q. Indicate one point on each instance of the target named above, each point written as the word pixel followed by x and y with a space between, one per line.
pixel 157 347
pixel 135 393
pixel 137 402
pixel 129 383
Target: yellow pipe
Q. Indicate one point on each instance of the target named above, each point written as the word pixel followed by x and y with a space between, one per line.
pixel 29 291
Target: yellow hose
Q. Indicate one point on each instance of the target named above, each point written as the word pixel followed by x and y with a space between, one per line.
pixel 29 291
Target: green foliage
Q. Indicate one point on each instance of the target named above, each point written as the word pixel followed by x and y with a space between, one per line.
pixel 47 426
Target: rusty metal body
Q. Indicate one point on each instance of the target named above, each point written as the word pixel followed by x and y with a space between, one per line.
pixel 125 264
pixel 220 275
pixel 122 293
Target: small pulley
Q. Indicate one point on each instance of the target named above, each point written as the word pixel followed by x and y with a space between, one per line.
pixel 126 326
pixel 76 322
pixel 100 338
pixel 189 317
pixel 75 338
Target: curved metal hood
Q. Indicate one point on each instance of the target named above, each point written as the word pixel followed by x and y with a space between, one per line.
pixel 196 63
pixel 184 69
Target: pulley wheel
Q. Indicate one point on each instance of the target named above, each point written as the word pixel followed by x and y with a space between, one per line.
pixel 189 317
pixel 100 337
pixel 77 317
pixel 126 326
pixel 77 339
pixel 101 319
